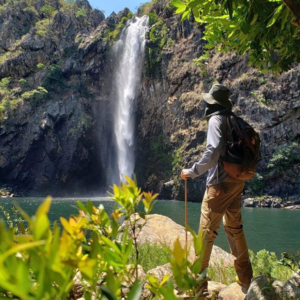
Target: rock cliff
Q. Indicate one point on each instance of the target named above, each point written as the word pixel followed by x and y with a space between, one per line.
pixel 171 123
pixel 56 102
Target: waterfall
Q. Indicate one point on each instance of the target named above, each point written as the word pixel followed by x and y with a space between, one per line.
pixel 128 52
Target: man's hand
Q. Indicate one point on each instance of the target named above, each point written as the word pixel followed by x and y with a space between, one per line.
pixel 185 174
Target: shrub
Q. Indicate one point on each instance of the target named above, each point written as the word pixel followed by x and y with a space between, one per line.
pixel 265 262
pixel 81 13
pixel 284 158
pixel 48 11
pixel 291 260
pixel 177 160
pixel 9 102
pixel 158 35
pixel 153 18
pixel 42 261
pixel 257 184
pixel 54 78
pixel 114 34
pixel 35 96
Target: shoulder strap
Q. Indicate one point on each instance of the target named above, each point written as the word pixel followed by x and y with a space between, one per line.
pixel 236 126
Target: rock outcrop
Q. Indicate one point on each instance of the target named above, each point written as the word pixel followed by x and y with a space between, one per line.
pixel 56 129
pixel 162 230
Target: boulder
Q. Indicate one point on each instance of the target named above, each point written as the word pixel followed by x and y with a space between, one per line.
pixel 33 43
pixel 214 288
pixel 249 202
pixel 162 230
pixel 262 288
pixel 233 292
pixel 291 288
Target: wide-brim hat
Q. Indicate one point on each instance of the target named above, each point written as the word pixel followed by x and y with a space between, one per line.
pixel 218 94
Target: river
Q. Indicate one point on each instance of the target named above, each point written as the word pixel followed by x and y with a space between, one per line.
pixel 276 230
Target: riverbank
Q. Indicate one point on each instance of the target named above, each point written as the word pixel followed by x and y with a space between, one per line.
pixel 5 193
pixel 272 202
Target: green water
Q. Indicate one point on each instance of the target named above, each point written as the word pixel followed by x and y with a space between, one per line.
pixel 276 230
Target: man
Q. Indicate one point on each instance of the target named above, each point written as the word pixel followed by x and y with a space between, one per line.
pixel 222 198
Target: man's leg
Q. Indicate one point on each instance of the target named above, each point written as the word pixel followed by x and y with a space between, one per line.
pixel 234 230
pixel 211 216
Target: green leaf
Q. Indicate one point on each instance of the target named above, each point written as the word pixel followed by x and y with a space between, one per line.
pixel 81 206
pixel 19 248
pixel 180 10
pixel 178 3
pixel 196 14
pixel 196 267
pixel 178 252
pixel 185 15
pixel 111 244
pixel 254 19
pixel 88 267
pixel 41 226
pixel 107 293
pixel 135 291
pixel 89 206
pixel 277 13
pixel 44 207
pixel 285 15
pixel 22 275
pixel 66 225
pixel 194 3
pixel 245 27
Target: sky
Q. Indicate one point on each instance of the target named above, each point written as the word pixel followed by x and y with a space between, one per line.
pixel 116 5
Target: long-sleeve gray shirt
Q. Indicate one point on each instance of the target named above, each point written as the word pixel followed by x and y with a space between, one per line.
pixel 215 146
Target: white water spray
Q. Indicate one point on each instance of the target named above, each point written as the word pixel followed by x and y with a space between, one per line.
pixel 129 51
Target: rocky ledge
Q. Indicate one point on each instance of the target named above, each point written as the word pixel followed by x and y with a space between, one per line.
pixel 273 202
pixel 162 230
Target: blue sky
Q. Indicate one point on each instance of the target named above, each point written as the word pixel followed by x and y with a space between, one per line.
pixel 116 5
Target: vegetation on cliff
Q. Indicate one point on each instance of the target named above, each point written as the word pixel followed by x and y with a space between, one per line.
pixel 33 50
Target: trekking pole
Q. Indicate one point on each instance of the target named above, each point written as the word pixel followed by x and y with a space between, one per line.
pixel 185 217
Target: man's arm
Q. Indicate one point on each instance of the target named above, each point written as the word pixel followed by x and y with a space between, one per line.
pixel 215 142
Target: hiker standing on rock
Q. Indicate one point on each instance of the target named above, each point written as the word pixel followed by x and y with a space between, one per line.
pixel 222 198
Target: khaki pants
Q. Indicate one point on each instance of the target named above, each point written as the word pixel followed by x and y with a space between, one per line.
pixel 227 205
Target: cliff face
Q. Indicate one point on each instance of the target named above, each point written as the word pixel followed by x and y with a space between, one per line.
pixel 57 104
pixel 55 130
pixel 171 125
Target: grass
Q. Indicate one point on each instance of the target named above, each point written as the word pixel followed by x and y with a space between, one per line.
pixel 263 262
pixel 221 274
pixel 151 255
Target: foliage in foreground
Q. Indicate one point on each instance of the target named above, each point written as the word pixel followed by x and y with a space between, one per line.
pixel 267 30
pixel 40 262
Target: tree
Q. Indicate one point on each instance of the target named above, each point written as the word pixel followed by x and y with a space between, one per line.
pixel 268 30
pixel 48 10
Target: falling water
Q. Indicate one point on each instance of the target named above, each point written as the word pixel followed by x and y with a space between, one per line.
pixel 129 52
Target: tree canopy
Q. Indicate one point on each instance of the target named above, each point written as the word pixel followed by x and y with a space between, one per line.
pixel 268 30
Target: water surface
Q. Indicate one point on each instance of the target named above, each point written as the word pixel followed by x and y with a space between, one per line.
pixel 276 230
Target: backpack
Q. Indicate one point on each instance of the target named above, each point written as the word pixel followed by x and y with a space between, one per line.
pixel 242 149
